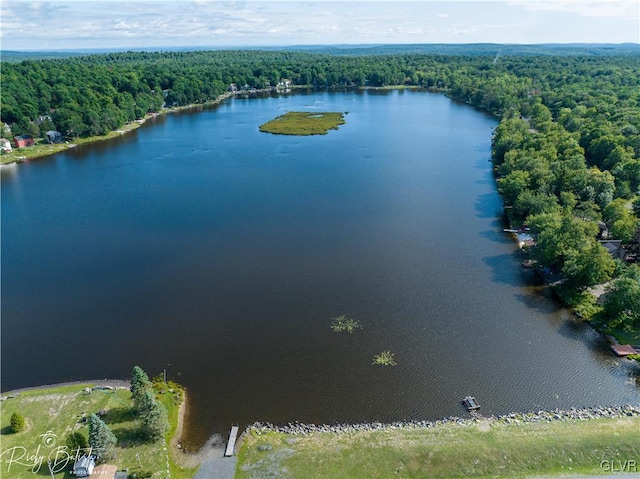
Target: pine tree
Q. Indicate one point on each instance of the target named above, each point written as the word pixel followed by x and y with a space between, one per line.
pixel 101 439
pixel 155 422
pixel 153 416
pixel 17 422
pixel 139 385
pixel 146 403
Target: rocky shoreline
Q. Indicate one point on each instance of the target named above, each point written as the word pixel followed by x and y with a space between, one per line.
pixel 593 412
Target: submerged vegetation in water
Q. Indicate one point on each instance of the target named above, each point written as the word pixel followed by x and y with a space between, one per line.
pixel 385 358
pixel 304 123
pixel 343 324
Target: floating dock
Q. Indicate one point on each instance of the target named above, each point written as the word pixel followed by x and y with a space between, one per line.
pixel 471 404
pixel 623 349
pixel 232 442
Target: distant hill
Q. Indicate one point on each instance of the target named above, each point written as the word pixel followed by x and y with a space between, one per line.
pixel 560 49
pixel 13 56
pixel 550 49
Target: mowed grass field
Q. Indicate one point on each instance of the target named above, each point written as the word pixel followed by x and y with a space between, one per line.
pixel 303 123
pixel 486 449
pixel 51 414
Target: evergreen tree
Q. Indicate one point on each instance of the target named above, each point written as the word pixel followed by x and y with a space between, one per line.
pixel 140 384
pixel 155 422
pixel 153 416
pixel 146 402
pixel 101 439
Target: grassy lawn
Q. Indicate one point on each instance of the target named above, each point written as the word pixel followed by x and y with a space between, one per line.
pixel 303 123
pixel 51 414
pixel 484 449
pixel 30 152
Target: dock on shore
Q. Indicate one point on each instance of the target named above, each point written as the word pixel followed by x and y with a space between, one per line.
pixel 232 442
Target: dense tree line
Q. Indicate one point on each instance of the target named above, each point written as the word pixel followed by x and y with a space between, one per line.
pixel 566 152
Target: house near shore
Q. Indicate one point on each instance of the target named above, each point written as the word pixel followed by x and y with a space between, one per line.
pixel 23 140
pixel 284 83
pixel 525 240
pixel 615 249
pixel 5 145
pixel 233 87
pixel 54 137
pixel 84 466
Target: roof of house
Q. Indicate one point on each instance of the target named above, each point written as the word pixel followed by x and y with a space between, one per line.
pixel 84 462
pixel 106 471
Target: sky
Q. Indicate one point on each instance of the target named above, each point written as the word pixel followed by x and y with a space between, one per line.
pixel 78 24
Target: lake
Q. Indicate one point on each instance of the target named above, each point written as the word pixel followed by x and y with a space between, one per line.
pixel 199 245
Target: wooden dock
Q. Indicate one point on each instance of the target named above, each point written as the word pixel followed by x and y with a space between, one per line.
pixel 232 442
pixel 623 349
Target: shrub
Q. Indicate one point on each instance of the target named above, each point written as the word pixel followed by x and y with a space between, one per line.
pixel 76 442
pixel 17 422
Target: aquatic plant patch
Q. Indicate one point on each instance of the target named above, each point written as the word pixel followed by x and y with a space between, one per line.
pixel 304 123
pixel 343 324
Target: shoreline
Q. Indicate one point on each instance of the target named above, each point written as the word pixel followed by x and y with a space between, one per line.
pixel 576 443
pixel 115 383
pixel 134 125
pixel 582 414
pixel 180 457
pixel 212 450
pixel 296 427
pixel 606 336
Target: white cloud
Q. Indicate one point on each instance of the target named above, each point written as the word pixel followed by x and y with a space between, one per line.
pixel 139 23
pixel 591 8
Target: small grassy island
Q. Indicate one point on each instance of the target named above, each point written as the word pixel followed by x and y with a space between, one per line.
pixel 304 123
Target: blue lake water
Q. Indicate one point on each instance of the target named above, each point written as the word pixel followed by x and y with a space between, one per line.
pixel 200 245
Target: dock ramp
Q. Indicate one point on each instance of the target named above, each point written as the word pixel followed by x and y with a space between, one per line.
pixel 233 435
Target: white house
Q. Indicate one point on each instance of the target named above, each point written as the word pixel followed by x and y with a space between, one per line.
pixel 5 145
pixel 83 467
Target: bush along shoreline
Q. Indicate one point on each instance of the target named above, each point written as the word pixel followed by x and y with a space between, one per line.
pixel 593 412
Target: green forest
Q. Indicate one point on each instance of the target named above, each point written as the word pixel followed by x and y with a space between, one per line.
pixel 566 153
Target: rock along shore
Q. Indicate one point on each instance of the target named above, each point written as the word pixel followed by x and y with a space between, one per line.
pixel 593 412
